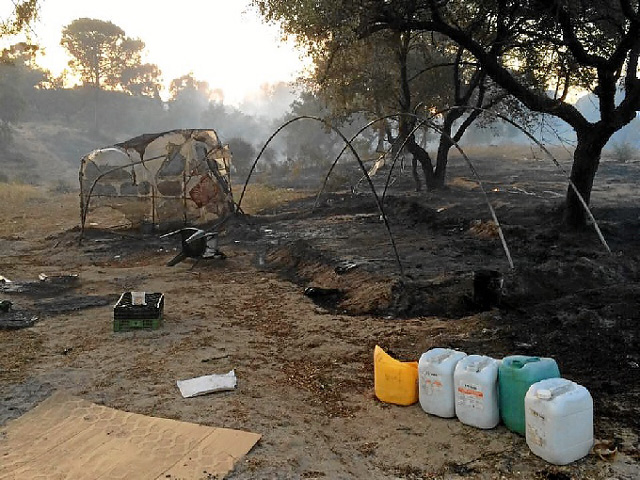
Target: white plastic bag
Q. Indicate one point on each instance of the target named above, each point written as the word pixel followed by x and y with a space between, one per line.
pixel 207 384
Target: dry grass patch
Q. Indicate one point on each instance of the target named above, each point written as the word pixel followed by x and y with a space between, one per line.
pixel 20 348
pixel 16 194
pixel 24 209
pixel 262 197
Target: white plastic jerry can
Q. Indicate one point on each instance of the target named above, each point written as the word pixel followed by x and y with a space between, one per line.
pixel 435 381
pixel 475 381
pixel 559 420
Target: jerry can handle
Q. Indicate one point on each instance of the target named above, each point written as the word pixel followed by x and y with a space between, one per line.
pixel 522 363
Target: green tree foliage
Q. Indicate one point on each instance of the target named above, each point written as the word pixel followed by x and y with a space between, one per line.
pixel 23 14
pixel 307 141
pixel 142 80
pixel 95 47
pixel 189 98
pixel 392 71
pixel 189 86
pixel 243 156
pixel 12 102
pixel 18 77
pixel 230 122
pixel 310 147
pixel 22 57
pixel 105 58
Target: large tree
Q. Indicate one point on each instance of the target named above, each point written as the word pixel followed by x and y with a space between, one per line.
pixel 94 46
pixel 393 71
pixel 530 46
pixel 105 58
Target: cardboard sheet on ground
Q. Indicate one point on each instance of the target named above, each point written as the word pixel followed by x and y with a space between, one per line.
pixel 67 437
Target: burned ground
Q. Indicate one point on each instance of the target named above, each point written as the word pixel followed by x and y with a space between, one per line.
pixel 566 298
pixel 305 368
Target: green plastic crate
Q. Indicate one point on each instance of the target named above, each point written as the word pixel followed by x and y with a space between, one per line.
pixel 127 316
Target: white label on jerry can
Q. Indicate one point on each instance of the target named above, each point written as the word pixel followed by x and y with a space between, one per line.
pixel 431 386
pixel 471 396
pixel 536 435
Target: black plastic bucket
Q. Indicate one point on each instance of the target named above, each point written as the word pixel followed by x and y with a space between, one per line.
pixel 487 288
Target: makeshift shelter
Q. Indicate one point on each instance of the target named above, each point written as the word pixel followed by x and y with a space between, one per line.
pixel 160 180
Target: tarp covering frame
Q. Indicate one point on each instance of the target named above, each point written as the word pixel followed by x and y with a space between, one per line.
pixel 163 179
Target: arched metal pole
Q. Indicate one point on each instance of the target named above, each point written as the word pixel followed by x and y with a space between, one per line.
pixel 468 161
pixel 475 173
pixel 334 163
pixel 355 153
pixel 473 170
pixel 557 164
pixel 84 210
pixel 84 207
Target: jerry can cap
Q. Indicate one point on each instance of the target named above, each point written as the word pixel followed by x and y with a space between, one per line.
pixel 544 394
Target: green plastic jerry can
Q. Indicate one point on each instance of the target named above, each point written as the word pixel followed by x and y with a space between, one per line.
pixel 515 375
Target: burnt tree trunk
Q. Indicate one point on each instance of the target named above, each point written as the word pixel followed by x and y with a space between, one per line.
pixel 442 158
pixel 586 160
pixel 407 121
pixel 444 145
pixel 416 176
pixel 422 156
pixel 464 91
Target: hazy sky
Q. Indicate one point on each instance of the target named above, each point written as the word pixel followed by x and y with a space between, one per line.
pixel 220 41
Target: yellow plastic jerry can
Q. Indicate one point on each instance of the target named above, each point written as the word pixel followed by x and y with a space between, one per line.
pixel 394 381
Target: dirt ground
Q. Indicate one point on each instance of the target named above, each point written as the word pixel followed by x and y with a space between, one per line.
pixel 305 294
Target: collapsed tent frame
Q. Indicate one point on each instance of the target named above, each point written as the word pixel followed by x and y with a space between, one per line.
pixel 186 177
